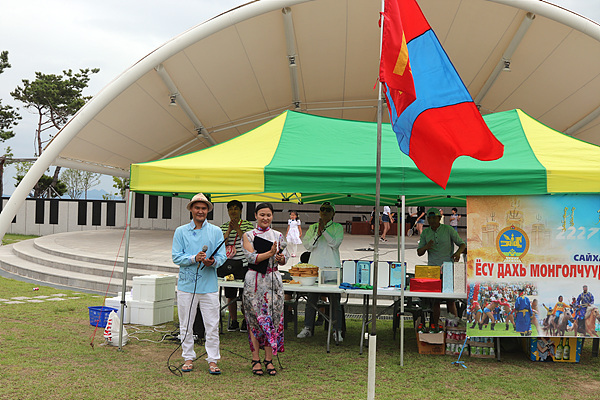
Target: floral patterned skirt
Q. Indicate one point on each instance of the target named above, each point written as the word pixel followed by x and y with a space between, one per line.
pixel 263 307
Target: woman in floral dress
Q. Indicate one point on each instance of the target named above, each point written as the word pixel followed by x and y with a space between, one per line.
pixel 263 289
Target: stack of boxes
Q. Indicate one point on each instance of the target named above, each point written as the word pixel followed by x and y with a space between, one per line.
pixel 455 339
pixel 482 347
pixel 151 301
pixel 427 279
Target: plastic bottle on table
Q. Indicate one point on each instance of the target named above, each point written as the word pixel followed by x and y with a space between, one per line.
pixel 558 353
pixel 566 350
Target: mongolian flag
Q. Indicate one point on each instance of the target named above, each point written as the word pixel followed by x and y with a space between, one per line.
pixel 443 123
pixel 394 67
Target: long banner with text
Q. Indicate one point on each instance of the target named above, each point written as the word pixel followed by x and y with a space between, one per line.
pixel 533 265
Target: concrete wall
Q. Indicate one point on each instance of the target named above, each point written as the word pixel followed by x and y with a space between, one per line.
pixel 44 217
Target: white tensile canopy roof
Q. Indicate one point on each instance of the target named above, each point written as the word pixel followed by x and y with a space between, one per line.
pixel 236 71
pixel 239 69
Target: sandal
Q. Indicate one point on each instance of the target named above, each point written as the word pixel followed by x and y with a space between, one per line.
pixel 258 372
pixel 187 367
pixel 271 371
pixel 213 369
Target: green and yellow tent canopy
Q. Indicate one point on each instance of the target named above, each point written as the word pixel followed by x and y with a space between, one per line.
pixel 305 158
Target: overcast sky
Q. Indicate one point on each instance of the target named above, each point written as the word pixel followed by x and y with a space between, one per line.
pixel 50 36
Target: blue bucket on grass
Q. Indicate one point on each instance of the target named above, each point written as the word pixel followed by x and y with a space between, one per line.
pixel 99 315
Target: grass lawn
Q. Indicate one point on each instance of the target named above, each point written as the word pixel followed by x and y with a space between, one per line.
pixel 11 238
pixel 46 354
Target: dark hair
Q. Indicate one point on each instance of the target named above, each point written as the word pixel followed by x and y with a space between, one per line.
pixel 304 257
pixel 454 209
pixel 235 203
pixel 263 205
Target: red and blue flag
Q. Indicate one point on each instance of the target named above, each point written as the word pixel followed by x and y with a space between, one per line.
pixel 435 119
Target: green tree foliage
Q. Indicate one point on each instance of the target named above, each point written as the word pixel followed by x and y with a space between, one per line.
pixel 6 156
pixel 55 99
pixel 9 118
pixel 79 182
pixel 121 184
pixel 45 188
pixel 8 115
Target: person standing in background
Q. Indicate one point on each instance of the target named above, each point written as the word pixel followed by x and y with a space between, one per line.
pixel 420 219
pixel 438 242
pixel 386 218
pixel 294 232
pixel 323 240
pixel 454 218
pixel 372 220
pixel 233 230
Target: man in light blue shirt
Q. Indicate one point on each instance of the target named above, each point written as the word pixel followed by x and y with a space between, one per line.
pixel 193 245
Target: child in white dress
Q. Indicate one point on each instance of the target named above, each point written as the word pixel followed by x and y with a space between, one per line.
pixel 294 232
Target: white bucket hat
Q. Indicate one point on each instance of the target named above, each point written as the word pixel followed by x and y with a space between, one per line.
pixel 202 198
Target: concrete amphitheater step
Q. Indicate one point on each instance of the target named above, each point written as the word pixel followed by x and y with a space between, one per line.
pixel 27 250
pixel 103 249
pixel 12 263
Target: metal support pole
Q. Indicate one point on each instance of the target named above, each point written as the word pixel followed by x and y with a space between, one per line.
pixel 373 336
pixel 125 262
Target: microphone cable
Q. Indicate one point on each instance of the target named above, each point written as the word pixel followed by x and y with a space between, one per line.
pixel 175 370
pixel 281 249
pixel 320 234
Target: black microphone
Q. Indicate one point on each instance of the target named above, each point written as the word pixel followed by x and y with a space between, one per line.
pixel 282 247
pixel 204 249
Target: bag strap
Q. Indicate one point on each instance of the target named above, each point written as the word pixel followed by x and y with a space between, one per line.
pixel 236 232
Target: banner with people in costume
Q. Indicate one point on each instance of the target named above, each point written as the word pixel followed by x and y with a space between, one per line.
pixel 533 265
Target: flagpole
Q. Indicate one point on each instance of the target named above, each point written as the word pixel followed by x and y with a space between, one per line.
pixel 403 283
pixel 373 335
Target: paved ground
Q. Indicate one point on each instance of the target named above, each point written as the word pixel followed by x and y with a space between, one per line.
pixel 154 246
pixel 37 299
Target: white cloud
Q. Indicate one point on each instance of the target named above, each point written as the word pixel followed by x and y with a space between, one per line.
pixel 51 36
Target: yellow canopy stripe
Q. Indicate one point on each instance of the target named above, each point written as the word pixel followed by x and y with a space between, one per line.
pixel 236 164
pixel 572 169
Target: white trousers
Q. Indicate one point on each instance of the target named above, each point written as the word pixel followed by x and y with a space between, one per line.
pixel 209 307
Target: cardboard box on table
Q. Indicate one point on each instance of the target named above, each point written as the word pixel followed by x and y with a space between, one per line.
pixel 448 277
pixel 425 285
pixel 460 278
pixel 427 271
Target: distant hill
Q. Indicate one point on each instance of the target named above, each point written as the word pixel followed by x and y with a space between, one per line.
pixel 95 194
